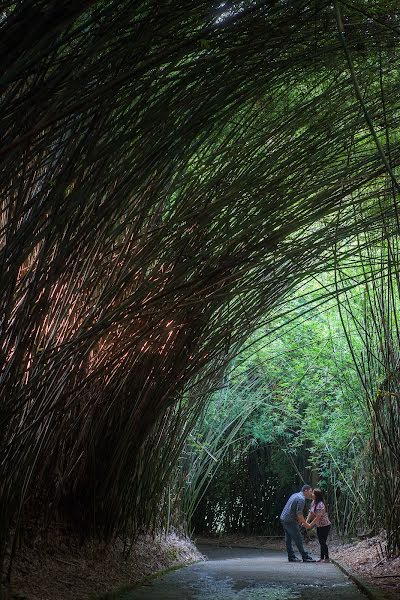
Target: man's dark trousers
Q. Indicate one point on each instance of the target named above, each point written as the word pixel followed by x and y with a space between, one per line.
pixel 293 533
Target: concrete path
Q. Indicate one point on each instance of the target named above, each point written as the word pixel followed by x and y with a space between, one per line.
pixel 249 574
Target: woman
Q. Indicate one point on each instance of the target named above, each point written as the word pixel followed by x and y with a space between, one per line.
pixel 318 516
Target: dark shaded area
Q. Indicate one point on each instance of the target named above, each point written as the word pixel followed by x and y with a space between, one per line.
pixel 247 493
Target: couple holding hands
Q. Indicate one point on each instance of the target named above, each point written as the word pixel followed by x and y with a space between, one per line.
pixel 292 516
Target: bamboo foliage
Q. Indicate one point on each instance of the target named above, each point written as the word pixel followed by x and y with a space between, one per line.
pixel 167 175
pixel 378 368
pixel 203 456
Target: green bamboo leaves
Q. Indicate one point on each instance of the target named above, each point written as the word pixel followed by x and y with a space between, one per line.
pixel 152 214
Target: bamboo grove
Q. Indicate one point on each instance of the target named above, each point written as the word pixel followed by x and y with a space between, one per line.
pixel 378 368
pixel 169 171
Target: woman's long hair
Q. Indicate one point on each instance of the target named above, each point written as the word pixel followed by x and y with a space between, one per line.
pixel 318 496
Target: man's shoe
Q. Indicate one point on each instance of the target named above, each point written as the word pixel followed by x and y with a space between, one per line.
pixel 294 559
pixel 309 559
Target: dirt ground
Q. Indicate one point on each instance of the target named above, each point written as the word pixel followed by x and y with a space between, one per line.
pixel 366 557
pixel 80 573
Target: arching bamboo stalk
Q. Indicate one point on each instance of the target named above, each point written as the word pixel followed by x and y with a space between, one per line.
pixel 166 173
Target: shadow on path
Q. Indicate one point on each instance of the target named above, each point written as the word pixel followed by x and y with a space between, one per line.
pixel 249 574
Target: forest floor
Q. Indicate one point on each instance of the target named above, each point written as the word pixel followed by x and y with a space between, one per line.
pixel 73 572
pixel 364 558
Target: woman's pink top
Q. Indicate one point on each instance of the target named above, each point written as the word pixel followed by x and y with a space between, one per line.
pixel 320 511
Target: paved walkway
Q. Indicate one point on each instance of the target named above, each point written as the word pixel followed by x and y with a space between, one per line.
pixel 249 574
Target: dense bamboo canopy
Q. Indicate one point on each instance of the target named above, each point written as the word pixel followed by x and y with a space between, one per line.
pixel 168 172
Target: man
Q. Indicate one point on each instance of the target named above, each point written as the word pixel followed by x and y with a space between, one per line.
pixel 291 517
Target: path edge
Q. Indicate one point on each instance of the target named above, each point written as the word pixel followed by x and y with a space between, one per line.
pixel 366 588
pixel 369 590
pixel 130 587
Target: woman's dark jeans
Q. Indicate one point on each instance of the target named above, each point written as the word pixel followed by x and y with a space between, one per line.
pixel 322 533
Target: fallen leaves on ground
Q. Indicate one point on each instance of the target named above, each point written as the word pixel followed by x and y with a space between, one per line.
pixel 365 558
pixel 73 572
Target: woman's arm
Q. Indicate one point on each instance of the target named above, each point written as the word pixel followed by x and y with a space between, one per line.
pixel 319 513
pixel 315 520
pixel 301 520
pixel 311 515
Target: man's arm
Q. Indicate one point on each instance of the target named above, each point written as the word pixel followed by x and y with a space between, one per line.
pixel 299 514
pixel 302 521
